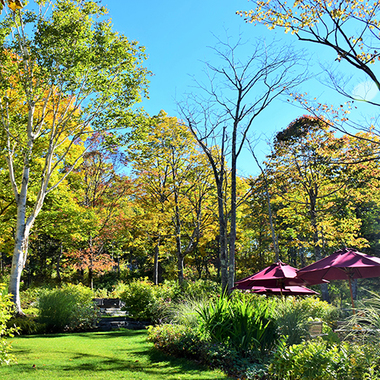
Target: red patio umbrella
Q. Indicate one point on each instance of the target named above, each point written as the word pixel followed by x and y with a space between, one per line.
pixel 278 275
pixel 288 290
pixel 345 264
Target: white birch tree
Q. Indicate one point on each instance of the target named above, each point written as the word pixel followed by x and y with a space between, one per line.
pixel 64 73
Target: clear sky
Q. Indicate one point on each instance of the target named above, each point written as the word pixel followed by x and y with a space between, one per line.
pixel 177 36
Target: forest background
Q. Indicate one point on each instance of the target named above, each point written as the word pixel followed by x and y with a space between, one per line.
pixel 151 199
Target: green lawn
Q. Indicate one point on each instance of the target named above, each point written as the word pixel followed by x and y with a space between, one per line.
pixel 103 355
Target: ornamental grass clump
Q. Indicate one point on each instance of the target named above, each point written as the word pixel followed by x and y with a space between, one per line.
pixel 364 325
pixel 69 308
pixel 184 312
pixel 293 315
pixel 232 334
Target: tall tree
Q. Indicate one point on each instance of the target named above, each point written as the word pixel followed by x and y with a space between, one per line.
pixel 176 182
pixel 238 91
pixel 64 72
pixel 100 194
pixel 314 189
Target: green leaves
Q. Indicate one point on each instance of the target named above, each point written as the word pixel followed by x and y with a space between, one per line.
pixel 244 324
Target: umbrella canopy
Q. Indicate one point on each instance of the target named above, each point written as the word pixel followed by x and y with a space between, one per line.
pixel 278 275
pixel 288 290
pixel 345 264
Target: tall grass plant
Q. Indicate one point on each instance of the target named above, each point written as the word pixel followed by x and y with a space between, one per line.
pixel 243 324
pixel 69 308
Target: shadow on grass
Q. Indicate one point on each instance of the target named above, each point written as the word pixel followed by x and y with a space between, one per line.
pixel 130 359
pixel 156 356
pixel 90 334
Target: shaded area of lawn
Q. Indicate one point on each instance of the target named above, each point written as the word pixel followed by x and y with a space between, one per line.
pixel 103 355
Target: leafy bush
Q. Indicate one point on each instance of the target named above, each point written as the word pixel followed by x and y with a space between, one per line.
pixel 29 300
pixel 140 301
pixel 199 289
pixel 315 308
pixel 101 293
pixel 117 290
pixel 183 341
pixel 291 320
pixel 145 301
pixel 176 340
pixel 68 308
pixel 5 331
pixel 26 325
pixel 318 360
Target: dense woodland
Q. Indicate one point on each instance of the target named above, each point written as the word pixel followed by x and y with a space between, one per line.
pixel 95 190
pixel 150 208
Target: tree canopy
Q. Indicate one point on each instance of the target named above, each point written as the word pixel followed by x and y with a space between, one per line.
pixel 64 74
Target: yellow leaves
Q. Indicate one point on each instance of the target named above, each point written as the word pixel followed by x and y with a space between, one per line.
pixel 14 4
pixel 337 13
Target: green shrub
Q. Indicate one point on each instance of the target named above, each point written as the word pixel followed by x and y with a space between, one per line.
pixel 199 289
pixel 118 289
pixel 145 301
pixel 315 308
pixel 26 325
pixel 177 340
pixel 183 341
pixel 29 300
pixel 291 320
pixel 102 293
pixel 68 308
pixel 318 360
pixel 5 331
pixel 140 301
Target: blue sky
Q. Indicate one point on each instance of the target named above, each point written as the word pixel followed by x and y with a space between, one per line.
pixel 177 36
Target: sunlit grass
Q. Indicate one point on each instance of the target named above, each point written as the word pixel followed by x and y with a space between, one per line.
pixel 104 355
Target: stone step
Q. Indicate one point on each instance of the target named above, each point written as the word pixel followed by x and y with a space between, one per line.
pixel 113 311
pixel 115 323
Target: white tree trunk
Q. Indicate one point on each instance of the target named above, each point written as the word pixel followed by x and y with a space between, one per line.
pixel 19 256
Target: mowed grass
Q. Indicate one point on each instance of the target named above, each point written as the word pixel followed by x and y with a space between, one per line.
pixel 113 355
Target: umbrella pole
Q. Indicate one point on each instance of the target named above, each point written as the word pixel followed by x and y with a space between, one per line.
pixel 352 297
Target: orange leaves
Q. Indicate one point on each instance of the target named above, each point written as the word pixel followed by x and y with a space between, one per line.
pixel 14 5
